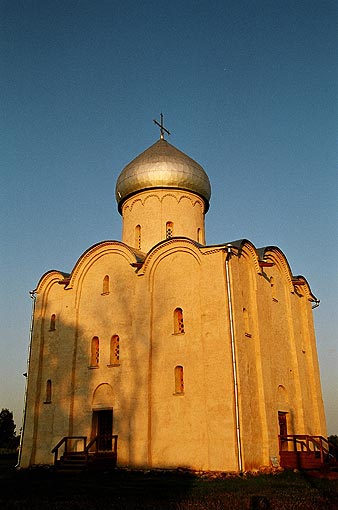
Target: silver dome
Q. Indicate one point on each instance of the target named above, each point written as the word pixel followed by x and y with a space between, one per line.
pixel 162 166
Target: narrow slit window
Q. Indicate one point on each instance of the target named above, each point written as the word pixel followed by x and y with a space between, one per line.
pixel 273 290
pixel 52 322
pixel 199 235
pixel 246 322
pixel 169 229
pixel 95 352
pixel 115 350
pixel 48 392
pixel 138 237
pixel 178 321
pixel 105 285
pixel 179 380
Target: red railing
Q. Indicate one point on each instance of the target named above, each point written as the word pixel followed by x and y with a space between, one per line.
pixel 305 451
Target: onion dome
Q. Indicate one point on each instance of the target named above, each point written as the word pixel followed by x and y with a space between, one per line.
pixel 162 166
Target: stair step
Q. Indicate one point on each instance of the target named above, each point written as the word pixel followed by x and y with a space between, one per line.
pixel 73 457
pixel 73 462
pixel 77 461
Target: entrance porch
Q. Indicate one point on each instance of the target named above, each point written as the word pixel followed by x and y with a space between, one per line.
pixel 298 451
pixel 73 452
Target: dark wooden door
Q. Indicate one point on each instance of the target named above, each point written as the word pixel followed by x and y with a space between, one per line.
pixel 283 430
pixel 105 430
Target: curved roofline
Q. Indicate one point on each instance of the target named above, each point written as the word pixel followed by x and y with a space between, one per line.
pixel 62 275
pixel 48 275
pixel 188 243
pixel 162 166
pixel 174 238
pixel 277 253
pixel 137 254
pixel 174 188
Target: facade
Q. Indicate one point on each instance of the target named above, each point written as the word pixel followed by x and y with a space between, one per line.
pixel 196 356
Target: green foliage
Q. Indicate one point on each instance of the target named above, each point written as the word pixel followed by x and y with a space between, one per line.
pixel 333 440
pixel 7 429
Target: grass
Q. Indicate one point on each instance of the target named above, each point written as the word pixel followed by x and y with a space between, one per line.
pixel 45 489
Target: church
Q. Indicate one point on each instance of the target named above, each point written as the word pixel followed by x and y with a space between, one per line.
pixel 167 351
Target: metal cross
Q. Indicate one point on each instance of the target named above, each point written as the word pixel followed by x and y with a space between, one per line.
pixel 162 128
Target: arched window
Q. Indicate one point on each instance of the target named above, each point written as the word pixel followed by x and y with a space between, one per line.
pixel 52 322
pixel 138 237
pixel 169 229
pixel 179 380
pixel 48 392
pixel 199 236
pixel 105 285
pixel 95 352
pixel 115 350
pixel 178 321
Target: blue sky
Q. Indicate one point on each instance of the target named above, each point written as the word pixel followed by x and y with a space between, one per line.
pixel 248 89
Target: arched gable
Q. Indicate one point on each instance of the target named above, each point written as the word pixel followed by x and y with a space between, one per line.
pixel 300 282
pixel 48 292
pixel 97 251
pixel 276 256
pixel 248 251
pixel 93 254
pixel 45 285
pixel 241 248
pixel 167 248
pixel 48 279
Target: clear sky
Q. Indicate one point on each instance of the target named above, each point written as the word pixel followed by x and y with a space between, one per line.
pixel 248 89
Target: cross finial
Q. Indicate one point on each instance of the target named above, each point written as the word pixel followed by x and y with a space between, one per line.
pixel 162 128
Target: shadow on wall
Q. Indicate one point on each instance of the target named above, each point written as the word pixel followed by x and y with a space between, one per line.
pixel 74 389
pixel 71 395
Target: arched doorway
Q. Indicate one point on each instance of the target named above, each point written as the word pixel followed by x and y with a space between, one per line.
pixel 102 418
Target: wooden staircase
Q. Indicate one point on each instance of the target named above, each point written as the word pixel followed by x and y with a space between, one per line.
pixel 73 453
pixel 72 461
pixel 307 452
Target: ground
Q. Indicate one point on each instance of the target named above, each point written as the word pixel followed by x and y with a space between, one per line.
pixel 42 488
